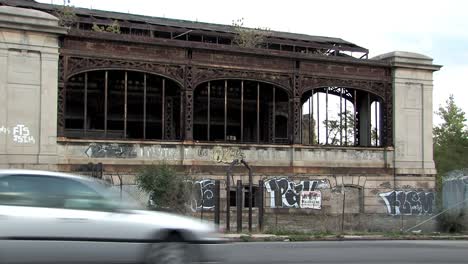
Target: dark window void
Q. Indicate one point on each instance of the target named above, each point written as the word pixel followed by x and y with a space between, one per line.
pixel 255 196
pixel 241 111
pixel 118 104
pixel 341 116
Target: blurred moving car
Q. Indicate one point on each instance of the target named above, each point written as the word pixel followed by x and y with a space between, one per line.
pixel 48 217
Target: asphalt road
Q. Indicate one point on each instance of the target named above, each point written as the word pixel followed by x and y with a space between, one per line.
pixel 345 252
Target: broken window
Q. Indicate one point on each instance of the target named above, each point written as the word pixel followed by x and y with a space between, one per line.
pixel 241 111
pixel 118 104
pixel 341 116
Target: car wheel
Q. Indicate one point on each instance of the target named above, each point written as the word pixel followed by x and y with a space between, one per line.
pixel 173 250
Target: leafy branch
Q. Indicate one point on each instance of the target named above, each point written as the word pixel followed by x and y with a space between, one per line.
pixel 248 37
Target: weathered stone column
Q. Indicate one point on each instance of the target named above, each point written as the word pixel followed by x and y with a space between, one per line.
pixel 412 109
pixel 28 87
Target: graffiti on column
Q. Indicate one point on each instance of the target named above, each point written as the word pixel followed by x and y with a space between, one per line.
pixel 285 193
pixel 110 151
pixel 21 134
pixel 203 195
pixel 408 202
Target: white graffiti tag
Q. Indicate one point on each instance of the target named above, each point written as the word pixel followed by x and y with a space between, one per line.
pixel 22 135
pixel 5 130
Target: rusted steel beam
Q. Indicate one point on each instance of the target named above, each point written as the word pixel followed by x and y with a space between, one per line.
pixel 217 201
pixel 318 118
pixel 85 110
pixel 125 104
pixel 144 106
pixel 346 121
pixel 209 112
pixel 163 109
pixel 225 109
pixel 310 117
pixel 258 112
pixel 341 116
pixel 355 123
pixel 326 116
pixel 261 204
pixel 106 91
pixel 242 111
pixel 239 193
pixel 274 115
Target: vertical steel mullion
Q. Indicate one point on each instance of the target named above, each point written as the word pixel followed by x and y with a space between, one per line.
pixel 310 115
pixel 209 111
pixel 106 90
pixel 346 121
pixel 318 118
pixel 125 104
pixel 242 111
pixel 225 110
pixel 369 120
pixel 258 112
pixel 376 124
pixel 355 123
pixel 85 110
pixel 163 109
pixel 326 117
pixel 341 116
pixel 274 114
pixel 144 106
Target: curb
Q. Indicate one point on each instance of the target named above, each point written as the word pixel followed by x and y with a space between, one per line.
pixel 301 238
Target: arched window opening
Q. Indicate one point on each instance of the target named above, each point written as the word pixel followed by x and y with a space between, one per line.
pixel 341 117
pixel 117 104
pixel 240 111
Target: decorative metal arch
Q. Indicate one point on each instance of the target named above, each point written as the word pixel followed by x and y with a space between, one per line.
pixel 205 74
pixel 378 88
pixel 76 65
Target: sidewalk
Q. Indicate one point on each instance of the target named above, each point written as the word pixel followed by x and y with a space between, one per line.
pixel 300 237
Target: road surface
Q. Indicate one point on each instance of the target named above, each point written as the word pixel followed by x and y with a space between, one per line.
pixel 345 252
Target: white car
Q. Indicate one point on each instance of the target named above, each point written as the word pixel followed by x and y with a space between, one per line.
pixel 48 217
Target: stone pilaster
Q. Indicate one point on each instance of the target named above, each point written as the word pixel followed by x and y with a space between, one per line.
pixel 413 111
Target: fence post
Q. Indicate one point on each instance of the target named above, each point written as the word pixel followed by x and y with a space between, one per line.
pixel 217 197
pixel 239 205
pixel 260 203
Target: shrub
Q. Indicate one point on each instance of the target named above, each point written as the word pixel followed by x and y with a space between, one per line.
pixel 168 191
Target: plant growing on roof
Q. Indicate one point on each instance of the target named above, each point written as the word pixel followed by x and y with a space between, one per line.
pixel 112 28
pixel 66 15
pixel 248 37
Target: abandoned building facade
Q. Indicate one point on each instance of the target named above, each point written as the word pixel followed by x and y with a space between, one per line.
pixel 310 115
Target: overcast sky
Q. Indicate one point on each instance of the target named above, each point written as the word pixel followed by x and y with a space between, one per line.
pixel 435 28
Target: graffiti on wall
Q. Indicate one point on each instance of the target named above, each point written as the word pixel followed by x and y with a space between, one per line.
pixel 203 195
pixel 20 134
pixel 286 193
pixel 408 202
pixel 227 155
pixel 96 150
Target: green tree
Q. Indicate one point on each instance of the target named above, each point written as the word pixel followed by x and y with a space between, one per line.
pixel 346 127
pixel 451 139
